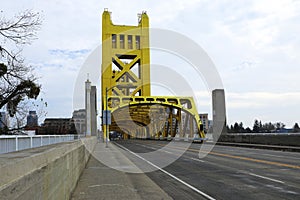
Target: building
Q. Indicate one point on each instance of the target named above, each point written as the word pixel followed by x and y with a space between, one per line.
pixel 90 108
pixel 205 121
pixel 219 113
pixel 85 120
pixel 94 110
pixel 57 126
pixel 79 118
pixel 4 122
pixel 210 123
pixel 32 119
pixel 88 125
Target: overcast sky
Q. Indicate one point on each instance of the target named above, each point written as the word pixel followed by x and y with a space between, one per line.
pixel 255 46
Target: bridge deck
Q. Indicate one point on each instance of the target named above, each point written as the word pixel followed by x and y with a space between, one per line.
pixel 225 173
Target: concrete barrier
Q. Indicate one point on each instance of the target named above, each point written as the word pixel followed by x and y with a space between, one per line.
pixel 266 139
pixel 49 172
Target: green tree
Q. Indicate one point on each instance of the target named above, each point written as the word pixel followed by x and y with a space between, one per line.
pixel 260 126
pixel 248 130
pixel 231 128
pixel 268 127
pixel 72 129
pixel 236 127
pixel 228 129
pixel 296 128
pixel 241 127
pixel 256 126
pixel 279 125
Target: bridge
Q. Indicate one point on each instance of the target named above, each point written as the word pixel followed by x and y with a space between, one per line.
pixel 136 168
pixel 86 169
pixel 126 88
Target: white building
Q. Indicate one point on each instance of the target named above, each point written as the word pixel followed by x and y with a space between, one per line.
pixel 91 109
pixel 79 121
pixel 204 120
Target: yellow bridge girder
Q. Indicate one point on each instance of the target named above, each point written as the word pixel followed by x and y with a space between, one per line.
pixel 126 89
pixel 163 116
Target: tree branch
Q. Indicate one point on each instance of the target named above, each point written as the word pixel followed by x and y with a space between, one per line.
pixel 22 29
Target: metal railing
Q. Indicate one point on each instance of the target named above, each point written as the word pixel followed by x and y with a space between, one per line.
pixel 10 143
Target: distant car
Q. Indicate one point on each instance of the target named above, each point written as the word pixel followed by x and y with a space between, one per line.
pixel 114 135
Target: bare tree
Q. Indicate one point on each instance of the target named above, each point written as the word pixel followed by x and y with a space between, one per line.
pixel 18 121
pixel 22 29
pixel 17 81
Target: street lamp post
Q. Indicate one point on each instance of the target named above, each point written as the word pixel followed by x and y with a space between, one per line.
pixel 106 113
pixel 106 123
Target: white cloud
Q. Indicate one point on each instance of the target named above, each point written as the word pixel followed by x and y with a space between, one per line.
pixel 262 99
pixel 254 44
pixel 266 106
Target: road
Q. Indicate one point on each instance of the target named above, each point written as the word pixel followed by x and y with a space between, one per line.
pixel 225 173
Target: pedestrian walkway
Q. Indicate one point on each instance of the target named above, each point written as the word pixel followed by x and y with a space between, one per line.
pixel 99 181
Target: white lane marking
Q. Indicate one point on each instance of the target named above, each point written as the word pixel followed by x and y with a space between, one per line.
pixel 196 159
pixel 169 174
pixel 267 178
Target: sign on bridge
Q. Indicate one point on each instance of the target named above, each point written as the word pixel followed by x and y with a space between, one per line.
pixel 106 117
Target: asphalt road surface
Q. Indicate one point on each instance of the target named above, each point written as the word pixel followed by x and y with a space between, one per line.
pixel 225 173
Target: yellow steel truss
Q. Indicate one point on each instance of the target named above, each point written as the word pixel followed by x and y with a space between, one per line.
pixel 126 87
pixel 155 116
pixel 125 50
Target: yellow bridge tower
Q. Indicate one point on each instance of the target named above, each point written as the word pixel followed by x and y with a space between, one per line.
pixel 126 89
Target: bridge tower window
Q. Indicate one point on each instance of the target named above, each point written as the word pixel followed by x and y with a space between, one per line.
pixel 114 41
pixel 122 42
pixel 129 38
pixel 137 42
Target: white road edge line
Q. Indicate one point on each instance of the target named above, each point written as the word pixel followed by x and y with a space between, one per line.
pixel 169 174
pixel 196 159
pixel 267 178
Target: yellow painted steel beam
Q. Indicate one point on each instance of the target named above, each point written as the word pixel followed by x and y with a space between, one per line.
pixel 139 108
pixel 125 83
pixel 124 42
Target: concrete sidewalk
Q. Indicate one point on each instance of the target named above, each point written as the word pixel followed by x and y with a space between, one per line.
pixel 99 181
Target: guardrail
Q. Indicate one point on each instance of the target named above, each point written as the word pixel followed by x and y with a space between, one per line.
pixel 10 143
pixel 50 172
